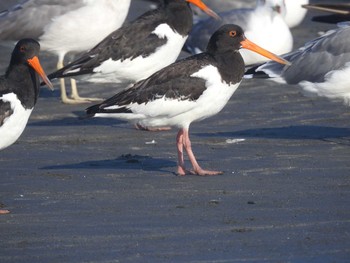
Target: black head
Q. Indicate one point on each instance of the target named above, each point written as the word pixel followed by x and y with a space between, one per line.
pixel 226 38
pixel 26 53
pixel 231 38
pixel 25 49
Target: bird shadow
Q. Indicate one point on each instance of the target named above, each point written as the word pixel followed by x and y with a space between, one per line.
pixel 79 120
pixel 289 132
pixel 123 162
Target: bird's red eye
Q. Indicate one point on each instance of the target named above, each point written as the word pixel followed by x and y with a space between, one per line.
pixel 22 49
pixel 232 33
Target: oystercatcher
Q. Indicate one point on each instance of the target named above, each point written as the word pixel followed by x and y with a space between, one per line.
pixel 189 90
pixel 136 50
pixel 321 67
pixel 19 90
pixel 264 25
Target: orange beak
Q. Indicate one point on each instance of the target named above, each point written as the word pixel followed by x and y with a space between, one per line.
pixel 247 44
pixel 206 9
pixel 35 64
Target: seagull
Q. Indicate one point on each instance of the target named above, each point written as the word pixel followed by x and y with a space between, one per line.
pixel 264 25
pixel 295 12
pixel 191 89
pixel 19 90
pixel 80 30
pixel 321 67
pixel 21 19
pixel 137 49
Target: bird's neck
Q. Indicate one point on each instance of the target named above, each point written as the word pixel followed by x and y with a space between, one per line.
pixel 26 83
pixel 179 16
pixel 230 65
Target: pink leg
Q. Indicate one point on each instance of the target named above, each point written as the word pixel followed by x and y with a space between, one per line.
pixel 181 170
pixel 196 168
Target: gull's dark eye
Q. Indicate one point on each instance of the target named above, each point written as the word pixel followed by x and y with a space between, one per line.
pixel 232 33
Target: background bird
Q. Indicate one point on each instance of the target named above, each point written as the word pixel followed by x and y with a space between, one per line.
pixel 19 90
pixel 295 13
pixel 138 49
pixel 320 68
pixel 20 19
pixel 337 12
pixel 264 25
pixel 188 90
pixel 80 30
pixel 63 27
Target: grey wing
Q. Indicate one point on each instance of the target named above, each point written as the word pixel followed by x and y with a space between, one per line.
pixel 203 29
pixel 21 20
pixel 313 61
pixel 327 53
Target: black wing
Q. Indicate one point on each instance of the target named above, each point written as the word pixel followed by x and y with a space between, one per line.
pixel 173 82
pixel 128 42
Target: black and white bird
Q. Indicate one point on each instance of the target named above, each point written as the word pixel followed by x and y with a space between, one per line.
pixel 189 90
pixel 138 49
pixel 320 68
pixel 19 90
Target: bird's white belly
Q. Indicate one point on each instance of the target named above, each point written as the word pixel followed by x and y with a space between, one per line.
pixel 13 125
pixel 132 70
pixel 336 85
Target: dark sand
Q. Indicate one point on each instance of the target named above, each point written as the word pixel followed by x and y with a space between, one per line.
pixel 100 191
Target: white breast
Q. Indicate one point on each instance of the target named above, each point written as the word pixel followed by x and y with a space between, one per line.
pixel 13 125
pixel 336 85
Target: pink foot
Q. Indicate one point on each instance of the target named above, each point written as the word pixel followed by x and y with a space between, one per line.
pixel 182 171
